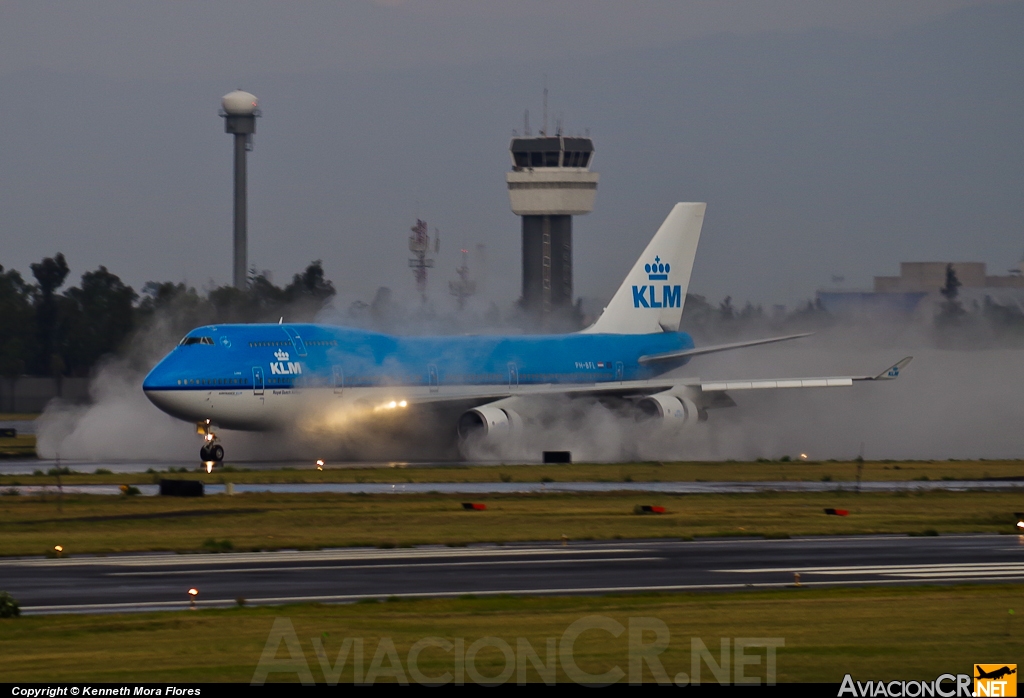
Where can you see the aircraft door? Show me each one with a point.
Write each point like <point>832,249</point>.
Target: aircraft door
<point>432,377</point>
<point>620,371</point>
<point>257,380</point>
<point>300,346</point>
<point>339,380</point>
<point>513,376</point>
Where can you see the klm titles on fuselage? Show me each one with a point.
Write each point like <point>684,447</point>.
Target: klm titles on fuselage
<point>284,367</point>
<point>646,296</point>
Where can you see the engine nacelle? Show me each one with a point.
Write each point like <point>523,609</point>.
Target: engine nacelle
<point>670,409</point>
<point>489,422</point>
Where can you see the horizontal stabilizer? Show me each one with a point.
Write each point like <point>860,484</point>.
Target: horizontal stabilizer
<point>685,353</point>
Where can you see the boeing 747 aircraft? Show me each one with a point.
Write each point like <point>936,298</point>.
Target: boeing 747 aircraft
<point>263,377</point>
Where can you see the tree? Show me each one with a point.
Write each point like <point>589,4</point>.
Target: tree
<point>310,284</point>
<point>726,310</point>
<point>9,608</point>
<point>104,315</point>
<point>17,339</point>
<point>951,289</point>
<point>951,309</point>
<point>50,273</point>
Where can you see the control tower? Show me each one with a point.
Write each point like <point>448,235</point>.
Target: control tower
<point>550,182</point>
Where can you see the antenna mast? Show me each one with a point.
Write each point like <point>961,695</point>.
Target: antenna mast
<point>463,287</point>
<point>545,131</point>
<point>419,245</point>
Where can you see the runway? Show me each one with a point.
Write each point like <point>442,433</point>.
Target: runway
<point>540,487</point>
<point>148,582</point>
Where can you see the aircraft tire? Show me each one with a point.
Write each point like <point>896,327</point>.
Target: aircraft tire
<point>217,453</point>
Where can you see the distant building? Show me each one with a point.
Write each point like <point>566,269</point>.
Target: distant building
<point>929,277</point>
<point>918,281</point>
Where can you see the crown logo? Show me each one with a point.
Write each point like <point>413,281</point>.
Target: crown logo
<point>657,271</point>
<point>281,355</point>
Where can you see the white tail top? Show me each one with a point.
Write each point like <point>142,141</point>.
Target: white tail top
<point>651,298</point>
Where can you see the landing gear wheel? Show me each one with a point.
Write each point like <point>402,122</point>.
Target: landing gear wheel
<point>214,452</point>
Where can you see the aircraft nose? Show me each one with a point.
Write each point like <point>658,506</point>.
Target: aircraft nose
<point>160,376</point>
<point>152,381</point>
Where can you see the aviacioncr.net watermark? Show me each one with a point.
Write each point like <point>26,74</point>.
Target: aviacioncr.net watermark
<point>641,641</point>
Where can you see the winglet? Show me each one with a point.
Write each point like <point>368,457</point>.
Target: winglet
<point>893,372</point>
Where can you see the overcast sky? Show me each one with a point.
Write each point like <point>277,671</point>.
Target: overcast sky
<point>828,138</point>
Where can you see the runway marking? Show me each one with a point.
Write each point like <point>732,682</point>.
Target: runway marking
<point>144,559</point>
<point>965,570</point>
<point>301,556</point>
<point>415,565</point>
<point>349,598</point>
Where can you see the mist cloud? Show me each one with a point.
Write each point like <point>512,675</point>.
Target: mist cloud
<point>948,403</point>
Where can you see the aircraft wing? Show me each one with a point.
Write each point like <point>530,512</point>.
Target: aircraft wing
<point>714,390</point>
<point>888,374</point>
<point>714,348</point>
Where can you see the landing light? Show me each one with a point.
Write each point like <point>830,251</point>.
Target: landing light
<point>403,403</point>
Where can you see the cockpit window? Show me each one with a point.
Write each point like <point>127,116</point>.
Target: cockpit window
<point>196,340</point>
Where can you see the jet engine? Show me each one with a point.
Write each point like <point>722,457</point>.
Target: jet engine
<point>491,423</point>
<point>668,408</point>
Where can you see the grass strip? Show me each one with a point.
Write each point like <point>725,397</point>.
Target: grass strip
<point>265,521</point>
<point>871,633</point>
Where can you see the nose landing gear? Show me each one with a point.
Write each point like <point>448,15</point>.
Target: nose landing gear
<point>212,452</point>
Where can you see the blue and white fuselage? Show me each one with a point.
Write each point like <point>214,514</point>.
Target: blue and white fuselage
<point>251,376</point>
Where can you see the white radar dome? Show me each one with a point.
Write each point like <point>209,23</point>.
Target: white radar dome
<point>239,102</point>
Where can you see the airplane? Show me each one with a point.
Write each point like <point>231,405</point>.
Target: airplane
<point>267,377</point>
<point>995,673</point>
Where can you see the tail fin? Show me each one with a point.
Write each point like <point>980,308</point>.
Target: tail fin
<point>651,298</point>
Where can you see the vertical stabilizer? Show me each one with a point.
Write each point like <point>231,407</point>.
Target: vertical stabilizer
<point>651,298</point>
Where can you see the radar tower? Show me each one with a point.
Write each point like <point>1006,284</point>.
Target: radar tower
<point>240,111</point>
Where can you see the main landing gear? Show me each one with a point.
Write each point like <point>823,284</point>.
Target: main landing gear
<point>212,452</point>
